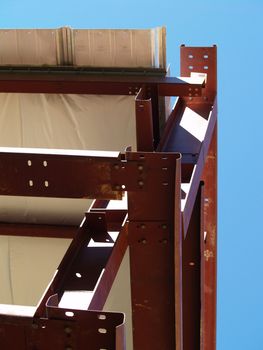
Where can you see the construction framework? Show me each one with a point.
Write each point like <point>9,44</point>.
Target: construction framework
<point>170,226</point>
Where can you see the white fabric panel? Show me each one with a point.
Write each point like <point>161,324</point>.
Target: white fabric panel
<point>62,121</point>
<point>119,298</point>
<point>6,290</point>
<point>27,265</point>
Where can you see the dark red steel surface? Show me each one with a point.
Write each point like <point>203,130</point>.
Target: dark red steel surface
<point>51,175</point>
<point>192,278</point>
<point>178,263</point>
<point>96,222</point>
<point>210,248</point>
<point>104,286</point>
<point>201,60</point>
<point>151,242</point>
<point>197,170</point>
<point>93,84</point>
<point>144,122</point>
<point>35,230</point>
<point>61,329</point>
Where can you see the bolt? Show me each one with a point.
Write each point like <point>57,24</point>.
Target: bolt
<point>141,183</point>
<point>143,226</point>
<point>34,326</point>
<point>140,167</point>
<point>116,166</point>
<point>67,330</point>
<point>117,187</point>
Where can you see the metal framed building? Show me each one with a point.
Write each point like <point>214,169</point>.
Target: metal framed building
<point>169,224</point>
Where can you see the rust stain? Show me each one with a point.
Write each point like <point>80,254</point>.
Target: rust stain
<point>143,306</point>
<point>208,254</point>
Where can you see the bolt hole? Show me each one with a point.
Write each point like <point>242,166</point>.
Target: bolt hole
<point>191,263</point>
<point>29,163</point>
<point>45,163</point>
<point>46,183</point>
<point>141,156</point>
<point>78,275</point>
<point>205,56</point>
<point>205,67</point>
<point>165,183</point>
<point>102,317</point>
<point>102,330</point>
<point>69,313</point>
<point>191,67</point>
<point>31,183</point>
<point>190,56</point>
<point>123,187</point>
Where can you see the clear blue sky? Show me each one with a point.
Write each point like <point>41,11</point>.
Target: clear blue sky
<point>237,28</point>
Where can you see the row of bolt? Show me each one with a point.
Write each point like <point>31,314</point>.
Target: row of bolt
<point>140,182</point>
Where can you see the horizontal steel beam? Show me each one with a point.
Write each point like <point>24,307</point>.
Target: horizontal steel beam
<point>62,329</point>
<point>76,83</point>
<point>35,230</point>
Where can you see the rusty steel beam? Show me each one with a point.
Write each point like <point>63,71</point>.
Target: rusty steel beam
<point>62,329</point>
<point>178,261</point>
<point>37,230</point>
<point>102,291</point>
<point>199,166</point>
<point>192,277</point>
<point>114,220</point>
<point>209,177</point>
<point>75,83</point>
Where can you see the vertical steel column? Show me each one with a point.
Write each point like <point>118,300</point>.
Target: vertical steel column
<point>210,246</point>
<point>203,60</point>
<point>192,278</point>
<point>144,122</point>
<point>151,237</point>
